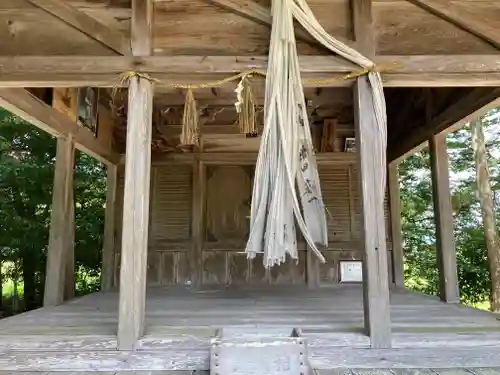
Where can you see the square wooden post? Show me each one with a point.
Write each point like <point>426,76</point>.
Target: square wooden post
<point>198,222</point>
<point>375,269</point>
<point>312,271</point>
<point>108,249</point>
<point>133,263</point>
<point>61,223</point>
<point>69,281</point>
<point>135,213</point>
<point>443,216</point>
<point>395,219</point>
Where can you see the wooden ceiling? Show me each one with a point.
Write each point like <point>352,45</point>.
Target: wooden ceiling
<point>241,28</point>
<point>198,27</point>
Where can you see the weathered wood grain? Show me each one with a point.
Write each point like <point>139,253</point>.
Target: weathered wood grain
<point>172,192</point>
<point>198,222</point>
<point>108,247</point>
<point>29,30</point>
<point>244,158</point>
<point>194,27</point>
<point>61,240</point>
<point>461,18</point>
<point>135,213</point>
<point>476,103</point>
<point>258,13</point>
<point>409,358</point>
<point>33,110</point>
<point>133,270</point>
<point>142,27</point>
<point>57,343</point>
<point>320,358</point>
<point>328,316</point>
<point>313,270</point>
<point>375,274</point>
<point>104,361</point>
<point>69,278</point>
<point>65,100</point>
<point>443,216</point>
<point>395,225</point>
<point>414,71</point>
<point>113,39</point>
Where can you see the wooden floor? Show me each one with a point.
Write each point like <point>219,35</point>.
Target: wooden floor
<point>180,322</point>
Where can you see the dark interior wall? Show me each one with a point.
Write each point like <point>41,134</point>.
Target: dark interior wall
<point>227,206</point>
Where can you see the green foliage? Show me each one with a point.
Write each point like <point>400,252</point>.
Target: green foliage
<point>26,175</point>
<point>417,221</point>
<point>418,218</point>
<point>27,158</point>
<point>90,198</point>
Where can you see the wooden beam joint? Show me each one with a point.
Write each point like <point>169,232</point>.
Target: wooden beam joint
<point>81,21</point>
<point>30,108</point>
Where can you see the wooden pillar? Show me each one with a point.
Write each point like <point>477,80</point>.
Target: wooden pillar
<point>69,281</point>
<point>108,249</point>
<point>375,270</point>
<point>198,222</point>
<point>118,224</point>
<point>486,200</point>
<point>135,213</point>
<point>312,263</point>
<point>443,216</point>
<point>395,218</point>
<point>61,223</point>
<point>133,264</point>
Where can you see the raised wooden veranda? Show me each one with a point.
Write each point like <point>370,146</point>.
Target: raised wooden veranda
<point>81,335</point>
<point>164,234</point>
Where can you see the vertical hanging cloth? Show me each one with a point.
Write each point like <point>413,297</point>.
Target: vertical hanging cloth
<point>286,187</point>
<point>286,169</point>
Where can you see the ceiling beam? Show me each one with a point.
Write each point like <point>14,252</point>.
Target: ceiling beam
<point>462,19</point>
<point>104,71</point>
<point>248,9</point>
<point>113,39</point>
<point>23,104</point>
<point>255,12</point>
<point>479,99</point>
<point>322,158</point>
<point>142,27</point>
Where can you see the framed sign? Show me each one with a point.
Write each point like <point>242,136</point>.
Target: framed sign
<point>351,271</point>
<point>87,108</point>
<point>350,144</point>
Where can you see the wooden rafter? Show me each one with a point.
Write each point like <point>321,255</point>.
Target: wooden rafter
<point>77,71</point>
<point>33,110</point>
<point>111,38</point>
<point>461,18</point>
<point>253,11</point>
<point>477,99</point>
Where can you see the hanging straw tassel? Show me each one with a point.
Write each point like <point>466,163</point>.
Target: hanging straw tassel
<point>245,106</point>
<point>190,129</point>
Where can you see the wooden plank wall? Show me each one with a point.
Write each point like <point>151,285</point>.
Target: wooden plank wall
<point>227,207</point>
<point>170,224</point>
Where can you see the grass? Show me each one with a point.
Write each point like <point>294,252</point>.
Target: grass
<point>485,305</point>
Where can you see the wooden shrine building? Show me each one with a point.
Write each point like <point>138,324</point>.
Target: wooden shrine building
<point>102,76</point>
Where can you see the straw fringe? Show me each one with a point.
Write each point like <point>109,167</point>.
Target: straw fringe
<point>190,122</point>
<point>245,107</point>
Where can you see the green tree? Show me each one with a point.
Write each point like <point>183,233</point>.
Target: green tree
<point>418,218</point>
<point>26,170</point>
<point>26,177</point>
